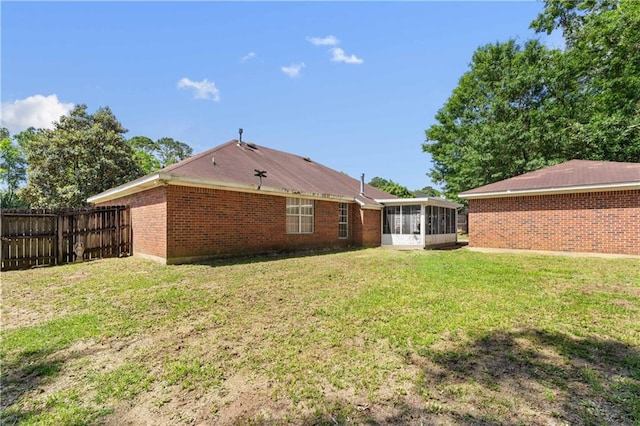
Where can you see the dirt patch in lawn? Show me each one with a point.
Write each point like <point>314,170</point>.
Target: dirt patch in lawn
<point>443,337</point>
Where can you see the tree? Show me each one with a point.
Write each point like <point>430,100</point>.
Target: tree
<point>521,108</point>
<point>171,151</point>
<point>83,155</point>
<point>497,122</point>
<point>152,156</point>
<point>12,170</point>
<point>603,56</point>
<point>391,187</point>
<point>427,191</point>
<point>143,154</point>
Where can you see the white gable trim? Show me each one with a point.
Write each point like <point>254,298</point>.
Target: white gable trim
<point>548,191</point>
<point>426,201</point>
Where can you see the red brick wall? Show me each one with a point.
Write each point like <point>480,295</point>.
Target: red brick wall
<point>211,222</point>
<point>148,220</point>
<point>601,222</point>
<point>367,229</point>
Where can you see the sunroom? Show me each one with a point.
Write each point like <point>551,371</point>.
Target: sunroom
<point>419,222</point>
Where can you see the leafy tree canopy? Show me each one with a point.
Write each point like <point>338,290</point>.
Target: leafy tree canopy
<point>152,156</point>
<point>391,187</point>
<point>83,155</point>
<point>427,191</point>
<point>523,107</point>
<point>13,166</point>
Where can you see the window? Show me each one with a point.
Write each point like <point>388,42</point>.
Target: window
<point>299,216</point>
<point>343,221</point>
<point>401,220</point>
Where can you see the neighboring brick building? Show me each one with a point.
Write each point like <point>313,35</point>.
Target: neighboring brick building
<point>217,204</point>
<point>578,206</point>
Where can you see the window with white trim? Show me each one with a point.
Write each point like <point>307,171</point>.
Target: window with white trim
<point>343,220</point>
<point>299,216</point>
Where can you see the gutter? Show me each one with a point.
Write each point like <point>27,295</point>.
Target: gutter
<point>164,179</point>
<point>549,191</point>
<point>427,201</point>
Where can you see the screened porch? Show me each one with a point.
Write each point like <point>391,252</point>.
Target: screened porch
<point>419,222</point>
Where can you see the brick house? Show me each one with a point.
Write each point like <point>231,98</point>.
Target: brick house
<point>578,206</point>
<point>241,198</point>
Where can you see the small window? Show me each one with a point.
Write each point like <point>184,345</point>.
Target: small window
<point>343,220</point>
<point>299,216</point>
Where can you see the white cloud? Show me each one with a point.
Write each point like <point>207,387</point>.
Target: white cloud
<point>204,89</point>
<point>35,111</point>
<point>293,70</point>
<point>340,56</point>
<point>325,41</point>
<point>248,56</point>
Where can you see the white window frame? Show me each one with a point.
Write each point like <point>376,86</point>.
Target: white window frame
<point>299,209</point>
<point>343,221</point>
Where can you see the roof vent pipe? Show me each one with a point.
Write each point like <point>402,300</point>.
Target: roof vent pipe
<point>362,184</point>
<point>240,137</point>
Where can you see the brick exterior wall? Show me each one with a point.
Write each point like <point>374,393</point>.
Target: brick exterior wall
<point>177,223</point>
<point>148,221</point>
<point>367,226</point>
<point>599,222</point>
<point>211,222</point>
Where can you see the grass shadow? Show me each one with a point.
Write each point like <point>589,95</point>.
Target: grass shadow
<point>26,372</point>
<point>32,370</point>
<point>574,380</point>
<point>249,258</point>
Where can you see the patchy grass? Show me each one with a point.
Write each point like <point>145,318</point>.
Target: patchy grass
<point>369,336</point>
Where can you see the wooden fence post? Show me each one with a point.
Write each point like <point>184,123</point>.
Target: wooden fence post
<point>60,239</point>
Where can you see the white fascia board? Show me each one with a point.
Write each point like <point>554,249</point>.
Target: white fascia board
<point>549,191</point>
<point>163,179</point>
<point>365,206</point>
<point>425,201</point>
<point>138,185</point>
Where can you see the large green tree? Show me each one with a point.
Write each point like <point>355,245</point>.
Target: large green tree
<point>521,108</point>
<point>83,155</point>
<point>13,166</point>
<point>497,124</point>
<point>152,156</point>
<point>144,154</point>
<point>603,56</point>
<point>391,187</point>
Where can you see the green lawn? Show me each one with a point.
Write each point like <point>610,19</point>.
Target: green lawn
<point>365,337</point>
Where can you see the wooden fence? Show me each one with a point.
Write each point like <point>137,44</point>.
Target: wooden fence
<point>463,224</point>
<point>53,237</point>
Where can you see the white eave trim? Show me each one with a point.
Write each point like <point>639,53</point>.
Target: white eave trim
<point>548,191</point>
<point>426,201</point>
<point>138,185</point>
<point>164,179</point>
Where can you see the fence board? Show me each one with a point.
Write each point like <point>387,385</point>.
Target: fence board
<point>49,237</point>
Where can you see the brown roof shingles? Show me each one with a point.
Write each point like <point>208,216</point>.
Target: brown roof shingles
<point>574,173</point>
<point>237,163</point>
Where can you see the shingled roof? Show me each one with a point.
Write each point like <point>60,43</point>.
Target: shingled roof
<point>572,176</point>
<point>234,165</point>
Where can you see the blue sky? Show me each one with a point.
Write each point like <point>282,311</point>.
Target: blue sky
<point>353,85</point>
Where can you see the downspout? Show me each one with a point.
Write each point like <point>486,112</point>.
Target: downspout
<point>423,225</point>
